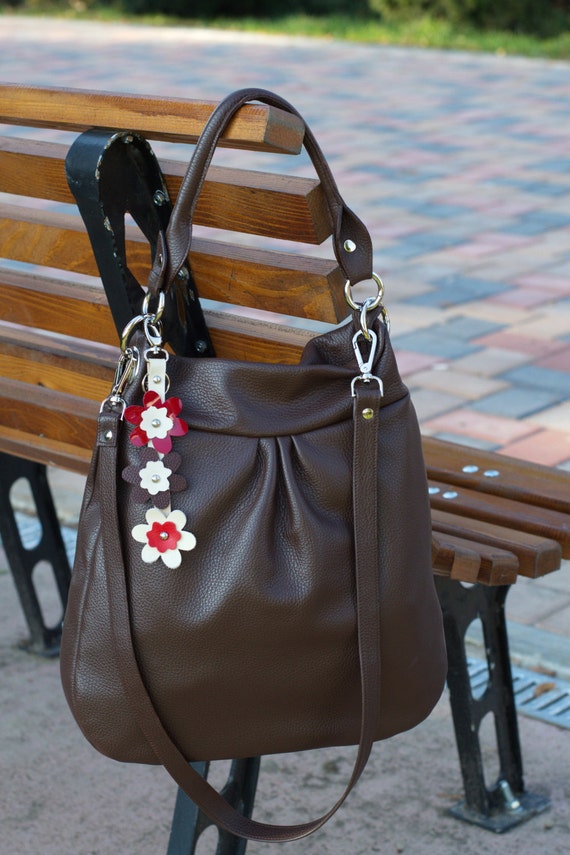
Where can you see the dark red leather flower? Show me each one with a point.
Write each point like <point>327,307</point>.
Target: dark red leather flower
<point>156,422</point>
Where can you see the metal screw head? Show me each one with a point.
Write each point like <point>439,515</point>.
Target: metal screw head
<point>201,346</point>
<point>367,413</point>
<point>159,198</point>
<point>183,273</point>
<point>349,246</point>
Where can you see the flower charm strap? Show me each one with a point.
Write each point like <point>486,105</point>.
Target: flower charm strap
<point>156,422</point>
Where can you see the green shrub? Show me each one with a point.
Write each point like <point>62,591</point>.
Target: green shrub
<point>246,8</point>
<point>539,17</point>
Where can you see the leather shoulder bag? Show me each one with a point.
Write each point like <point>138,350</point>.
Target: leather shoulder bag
<point>253,570</point>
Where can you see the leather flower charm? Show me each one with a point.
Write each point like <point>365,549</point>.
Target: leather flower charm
<point>155,478</point>
<point>156,422</point>
<point>163,537</point>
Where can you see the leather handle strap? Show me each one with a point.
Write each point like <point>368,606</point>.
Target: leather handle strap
<point>345,225</point>
<point>367,609</point>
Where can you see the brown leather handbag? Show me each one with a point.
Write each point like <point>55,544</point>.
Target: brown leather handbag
<point>253,569</point>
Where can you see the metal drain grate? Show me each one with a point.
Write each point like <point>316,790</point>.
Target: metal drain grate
<point>536,695</point>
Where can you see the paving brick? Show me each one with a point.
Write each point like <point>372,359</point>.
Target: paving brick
<point>431,343</point>
<point>468,386</point>
<point>508,340</point>
<point>547,447</point>
<point>555,418</point>
<point>547,379</point>
<point>516,402</point>
<point>430,403</point>
<point>559,361</point>
<point>468,422</point>
<point>409,362</point>
<point>490,361</point>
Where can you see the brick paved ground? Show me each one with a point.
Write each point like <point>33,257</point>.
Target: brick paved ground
<point>459,165</point>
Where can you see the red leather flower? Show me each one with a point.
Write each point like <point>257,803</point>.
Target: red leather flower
<point>156,422</point>
<point>163,536</point>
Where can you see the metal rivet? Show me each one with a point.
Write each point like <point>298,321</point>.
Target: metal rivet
<point>160,259</point>
<point>201,346</point>
<point>470,469</point>
<point>157,378</point>
<point>183,273</point>
<point>155,479</point>
<point>156,423</point>
<point>433,491</point>
<point>109,435</point>
<point>450,494</point>
<point>159,198</point>
<point>367,413</point>
<point>164,535</point>
<point>128,138</point>
<point>349,246</point>
<point>491,473</point>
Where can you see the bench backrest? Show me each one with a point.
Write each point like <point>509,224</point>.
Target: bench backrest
<point>57,337</point>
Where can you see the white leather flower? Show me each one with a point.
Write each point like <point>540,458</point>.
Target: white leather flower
<point>163,537</point>
<point>156,422</point>
<point>155,477</point>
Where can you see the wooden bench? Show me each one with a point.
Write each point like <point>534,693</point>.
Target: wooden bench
<point>494,518</point>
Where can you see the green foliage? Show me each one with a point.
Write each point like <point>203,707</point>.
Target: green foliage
<point>541,18</point>
<point>538,17</point>
<point>193,9</point>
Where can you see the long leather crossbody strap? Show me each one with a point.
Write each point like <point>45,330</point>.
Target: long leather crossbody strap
<point>365,508</point>
<point>354,257</point>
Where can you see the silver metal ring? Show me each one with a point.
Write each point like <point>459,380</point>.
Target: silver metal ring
<point>375,301</point>
<point>154,318</point>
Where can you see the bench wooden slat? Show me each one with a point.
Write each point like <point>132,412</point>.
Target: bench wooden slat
<point>50,415</point>
<point>71,308</point>
<point>506,512</point>
<point>79,309</point>
<point>472,561</point>
<point>50,452</point>
<point>264,279</point>
<point>278,206</point>
<point>254,127</point>
<point>536,555</point>
<point>59,363</point>
<point>517,479</point>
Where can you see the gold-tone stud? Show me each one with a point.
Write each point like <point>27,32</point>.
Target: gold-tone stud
<point>368,413</point>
